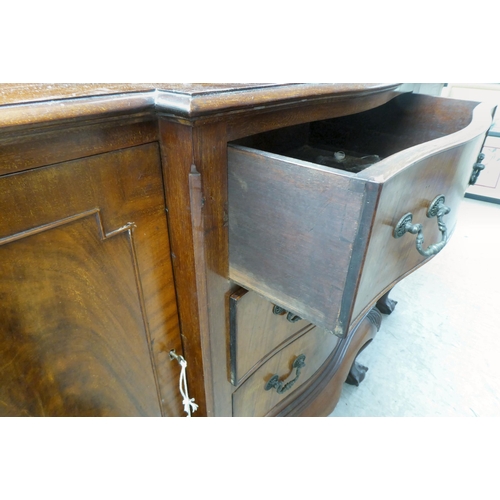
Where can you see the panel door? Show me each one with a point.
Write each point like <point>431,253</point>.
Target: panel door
<point>87,301</point>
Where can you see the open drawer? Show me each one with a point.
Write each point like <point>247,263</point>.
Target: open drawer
<point>313,209</point>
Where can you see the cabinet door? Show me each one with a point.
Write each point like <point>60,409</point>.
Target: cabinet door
<point>87,301</point>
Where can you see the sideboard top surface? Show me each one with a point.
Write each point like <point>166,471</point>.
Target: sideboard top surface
<point>29,103</point>
<point>16,93</point>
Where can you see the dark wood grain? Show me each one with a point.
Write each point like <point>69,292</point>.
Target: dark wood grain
<point>319,396</point>
<point>88,300</point>
<point>412,190</point>
<point>385,304</point>
<point>403,122</point>
<point>73,336</point>
<point>292,231</point>
<point>177,160</point>
<point>212,102</point>
<point>263,119</point>
<point>210,157</point>
<point>89,305</point>
<point>252,400</point>
<point>22,152</point>
<point>52,102</point>
<point>256,332</point>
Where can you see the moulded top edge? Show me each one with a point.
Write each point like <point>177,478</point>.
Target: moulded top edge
<point>24,104</point>
<point>198,104</point>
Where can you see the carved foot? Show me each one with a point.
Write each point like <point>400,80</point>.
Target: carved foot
<point>358,371</point>
<point>386,305</point>
<point>357,374</point>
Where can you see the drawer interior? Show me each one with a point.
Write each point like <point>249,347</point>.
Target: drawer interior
<point>355,142</point>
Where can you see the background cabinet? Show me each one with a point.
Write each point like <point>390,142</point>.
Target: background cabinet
<point>487,187</point>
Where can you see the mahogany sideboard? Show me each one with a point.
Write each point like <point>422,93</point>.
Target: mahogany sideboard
<point>255,230</point>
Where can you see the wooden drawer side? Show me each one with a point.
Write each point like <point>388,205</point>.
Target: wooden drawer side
<point>292,229</point>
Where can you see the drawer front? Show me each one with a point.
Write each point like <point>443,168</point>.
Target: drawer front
<point>253,400</point>
<point>411,191</point>
<point>257,327</point>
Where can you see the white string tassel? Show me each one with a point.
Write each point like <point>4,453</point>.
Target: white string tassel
<point>189,404</point>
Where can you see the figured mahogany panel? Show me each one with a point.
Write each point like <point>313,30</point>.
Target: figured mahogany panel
<point>74,339</point>
<point>87,289</point>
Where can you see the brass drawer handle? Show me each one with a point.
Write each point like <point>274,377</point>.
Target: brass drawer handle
<point>476,169</point>
<point>436,209</point>
<point>290,316</point>
<point>293,318</point>
<point>280,385</point>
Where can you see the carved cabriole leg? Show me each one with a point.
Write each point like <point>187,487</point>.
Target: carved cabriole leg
<point>356,374</point>
<point>386,305</point>
<point>358,371</point>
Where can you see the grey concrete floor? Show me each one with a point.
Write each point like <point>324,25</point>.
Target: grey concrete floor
<point>438,353</point>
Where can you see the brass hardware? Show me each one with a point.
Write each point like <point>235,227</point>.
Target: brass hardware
<point>173,355</point>
<point>281,386</point>
<point>476,169</point>
<point>293,318</point>
<point>436,209</point>
<point>279,311</point>
<point>290,316</point>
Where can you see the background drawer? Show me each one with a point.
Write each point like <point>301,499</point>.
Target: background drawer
<point>255,331</point>
<point>253,400</point>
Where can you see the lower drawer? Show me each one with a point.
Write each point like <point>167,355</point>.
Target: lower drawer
<point>257,328</point>
<point>283,373</point>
